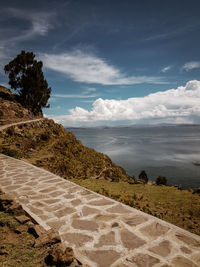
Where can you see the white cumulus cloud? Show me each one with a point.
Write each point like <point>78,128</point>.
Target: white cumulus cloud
<point>191,65</point>
<point>88,68</point>
<point>179,104</point>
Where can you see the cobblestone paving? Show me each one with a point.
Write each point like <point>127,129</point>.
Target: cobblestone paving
<point>102,231</point>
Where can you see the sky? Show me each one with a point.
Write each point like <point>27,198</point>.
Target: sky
<point>110,62</point>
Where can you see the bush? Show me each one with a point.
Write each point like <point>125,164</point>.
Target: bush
<point>10,131</point>
<point>11,153</point>
<point>45,137</point>
<point>143,176</point>
<point>161,180</point>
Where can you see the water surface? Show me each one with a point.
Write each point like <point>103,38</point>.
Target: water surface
<point>159,150</point>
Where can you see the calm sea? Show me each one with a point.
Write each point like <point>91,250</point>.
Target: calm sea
<point>170,151</point>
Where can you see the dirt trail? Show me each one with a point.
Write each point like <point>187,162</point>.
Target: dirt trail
<point>3,127</point>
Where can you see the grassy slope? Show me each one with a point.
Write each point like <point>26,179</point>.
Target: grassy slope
<point>16,249</point>
<point>48,145</point>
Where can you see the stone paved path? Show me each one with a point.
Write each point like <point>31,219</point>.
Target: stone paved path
<point>102,231</point>
<point>2,127</point>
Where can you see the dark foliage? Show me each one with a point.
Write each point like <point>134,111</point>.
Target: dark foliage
<point>26,76</point>
<point>10,152</point>
<point>161,180</point>
<point>143,176</point>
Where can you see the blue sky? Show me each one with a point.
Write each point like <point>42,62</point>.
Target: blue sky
<point>110,62</point>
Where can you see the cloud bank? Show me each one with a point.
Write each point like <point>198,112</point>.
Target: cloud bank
<point>175,105</point>
<point>88,68</point>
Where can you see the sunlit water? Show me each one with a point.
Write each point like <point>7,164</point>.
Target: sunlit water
<point>170,151</point>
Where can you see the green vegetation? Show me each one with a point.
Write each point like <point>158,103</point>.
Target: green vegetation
<point>143,177</point>
<point>16,244</point>
<point>161,180</point>
<point>10,152</point>
<point>26,76</point>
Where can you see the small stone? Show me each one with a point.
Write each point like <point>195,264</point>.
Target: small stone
<point>77,239</point>
<point>188,240</point>
<point>51,201</point>
<point>50,237</point>
<point>64,212</point>
<point>48,190</point>
<point>101,202</point>
<point>36,230</point>
<point>135,220</point>
<point>34,210</point>
<point>85,225</point>
<point>6,200</point>
<point>57,193</point>
<point>60,255</point>
<point>130,240</point>
<point>87,211</point>
<point>56,224</point>
<point>30,224</point>
<point>180,261</point>
<point>118,209</point>
<point>68,196</point>
<point>105,217</point>
<point>76,202</point>
<point>106,240</point>
<point>163,248</point>
<point>21,229</point>
<point>154,230</point>
<point>121,265</point>
<point>16,209</point>
<point>144,260</point>
<point>186,250</point>
<point>103,258</point>
<point>115,224</point>
<point>12,187</point>
<point>22,219</point>
<point>85,192</point>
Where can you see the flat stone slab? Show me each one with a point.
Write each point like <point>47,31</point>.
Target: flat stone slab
<point>101,231</point>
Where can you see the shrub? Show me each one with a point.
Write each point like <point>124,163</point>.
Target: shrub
<point>11,152</point>
<point>45,137</point>
<point>161,180</point>
<point>10,131</point>
<point>143,176</point>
